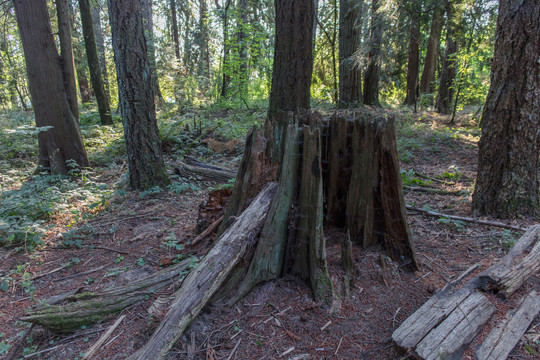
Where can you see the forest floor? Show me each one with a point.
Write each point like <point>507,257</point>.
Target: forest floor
<point>133,234</point>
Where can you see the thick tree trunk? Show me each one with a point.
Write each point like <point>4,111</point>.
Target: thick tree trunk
<point>243,48</point>
<point>62,142</point>
<point>293,56</point>
<point>413,60</point>
<point>371,76</point>
<point>148,21</point>
<point>432,53</point>
<point>508,182</point>
<point>100,44</point>
<point>93,63</point>
<point>143,144</point>
<point>203,40</point>
<point>350,27</point>
<point>226,61</point>
<point>66,52</point>
<point>443,104</point>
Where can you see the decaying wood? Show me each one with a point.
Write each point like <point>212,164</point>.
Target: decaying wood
<point>87,308</point>
<point>375,203</point>
<point>466,219</point>
<point>444,326</point>
<point>207,231</point>
<point>507,275</point>
<point>504,337</point>
<point>203,282</point>
<point>311,244</point>
<point>90,353</point>
<point>450,338</point>
<point>249,179</point>
<point>203,171</point>
<point>267,261</point>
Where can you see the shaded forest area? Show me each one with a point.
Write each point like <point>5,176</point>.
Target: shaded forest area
<point>269,179</point>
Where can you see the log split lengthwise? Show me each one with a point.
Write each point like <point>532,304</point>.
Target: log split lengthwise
<point>448,322</point>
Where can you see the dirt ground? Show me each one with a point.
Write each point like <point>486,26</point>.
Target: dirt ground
<point>278,319</point>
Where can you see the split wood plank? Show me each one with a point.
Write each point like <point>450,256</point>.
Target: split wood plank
<point>203,282</point>
<point>433,312</point>
<point>504,337</point>
<point>102,339</point>
<point>454,334</point>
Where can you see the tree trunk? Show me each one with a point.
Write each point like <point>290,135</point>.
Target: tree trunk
<point>508,182</point>
<point>93,63</point>
<point>413,60</point>
<point>203,41</point>
<point>226,61</point>
<point>66,52</point>
<point>61,143</point>
<point>243,48</point>
<point>371,78</point>
<point>293,56</point>
<point>174,17</point>
<point>143,144</point>
<point>443,104</point>
<point>432,53</point>
<point>100,44</point>
<point>350,27</point>
<point>148,22</point>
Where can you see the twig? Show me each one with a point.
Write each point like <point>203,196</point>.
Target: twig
<point>103,338</point>
<point>208,231</point>
<point>455,282</point>
<point>467,219</point>
<point>434,191</point>
<point>289,350</point>
<point>326,325</point>
<point>234,349</point>
<point>50,272</point>
<point>340,340</point>
<point>41,351</point>
<point>17,347</point>
<point>110,249</point>
<point>80,274</point>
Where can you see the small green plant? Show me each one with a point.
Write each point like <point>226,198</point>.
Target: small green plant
<point>408,178</point>
<point>4,348</point>
<point>119,258</point>
<point>140,262</point>
<point>155,190</point>
<point>182,187</point>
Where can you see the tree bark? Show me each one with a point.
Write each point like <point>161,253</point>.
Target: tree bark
<point>443,104</point>
<point>226,79</point>
<point>148,22</point>
<point>93,63</point>
<point>508,182</point>
<point>61,143</point>
<point>432,53</point>
<point>243,48</point>
<point>350,27</point>
<point>143,144</point>
<point>413,59</point>
<point>176,40</point>
<point>293,56</point>
<point>66,52</point>
<point>371,77</point>
<point>100,44</point>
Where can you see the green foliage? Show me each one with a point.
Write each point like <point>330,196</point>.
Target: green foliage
<point>408,178</point>
<point>4,348</point>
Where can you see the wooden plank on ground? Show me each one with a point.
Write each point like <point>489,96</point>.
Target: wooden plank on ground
<point>432,313</point>
<point>504,337</point>
<point>450,338</point>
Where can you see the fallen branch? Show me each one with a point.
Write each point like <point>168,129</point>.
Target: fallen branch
<point>103,338</point>
<point>90,307</point>
<point>434,191</point>
<point>466,219</point>
<point>208,231</point>
<point>203,282</point>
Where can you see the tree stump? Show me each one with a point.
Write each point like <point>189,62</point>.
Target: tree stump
<point>349,160</point>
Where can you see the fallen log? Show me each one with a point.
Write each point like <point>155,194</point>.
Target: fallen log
<point>88,308</point>
<point>194,168</point>
<point>203,282</point>
<point>446,324</point>
<point>504,337</point>
<point>514,269</point>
